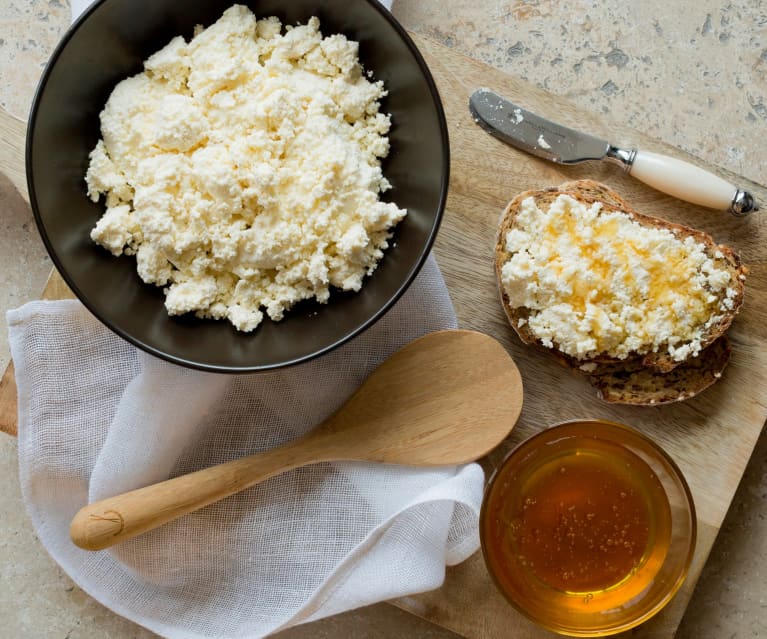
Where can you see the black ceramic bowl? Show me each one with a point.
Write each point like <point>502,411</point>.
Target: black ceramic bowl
<point>109,43</point>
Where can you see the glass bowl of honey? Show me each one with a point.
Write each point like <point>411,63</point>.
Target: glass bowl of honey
<point>588,528</point>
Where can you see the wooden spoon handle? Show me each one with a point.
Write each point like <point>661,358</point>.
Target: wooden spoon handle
<point>112,520</point>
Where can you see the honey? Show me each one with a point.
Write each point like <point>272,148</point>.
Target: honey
<point>583,521</point>
<point>577,525</point>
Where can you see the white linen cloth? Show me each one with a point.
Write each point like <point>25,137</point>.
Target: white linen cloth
<point>98,417</point>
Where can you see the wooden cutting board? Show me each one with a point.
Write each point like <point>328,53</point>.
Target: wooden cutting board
<point>711,436</point>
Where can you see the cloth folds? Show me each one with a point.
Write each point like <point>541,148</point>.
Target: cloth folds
<point>98,417</point>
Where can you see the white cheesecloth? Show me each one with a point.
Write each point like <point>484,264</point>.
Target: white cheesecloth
<point>98,417</point>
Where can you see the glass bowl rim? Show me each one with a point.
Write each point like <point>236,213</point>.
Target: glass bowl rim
<point>668,595</point>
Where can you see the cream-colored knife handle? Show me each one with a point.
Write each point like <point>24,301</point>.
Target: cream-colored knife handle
<point>690,183</point>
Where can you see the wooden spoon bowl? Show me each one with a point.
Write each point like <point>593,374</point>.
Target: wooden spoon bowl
<point>446,398</point>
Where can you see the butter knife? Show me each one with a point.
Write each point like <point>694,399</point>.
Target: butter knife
<point>551,141</point>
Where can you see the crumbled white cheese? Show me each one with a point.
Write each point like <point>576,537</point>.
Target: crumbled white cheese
<point>542,142</point>
<point>599,282</point>
<point>243,169</point>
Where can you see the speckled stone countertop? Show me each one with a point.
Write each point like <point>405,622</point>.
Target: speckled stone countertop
<point>693,74</point>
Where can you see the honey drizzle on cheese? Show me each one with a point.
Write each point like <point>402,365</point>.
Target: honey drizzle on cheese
<point>598,282</point>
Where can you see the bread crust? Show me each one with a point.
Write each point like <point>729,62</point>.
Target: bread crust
<point>641,379</point>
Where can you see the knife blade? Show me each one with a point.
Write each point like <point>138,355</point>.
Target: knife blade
<point>551,141</point>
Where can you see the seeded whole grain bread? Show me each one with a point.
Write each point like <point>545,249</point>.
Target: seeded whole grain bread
<point>652,378</point>
<point>647,386</point>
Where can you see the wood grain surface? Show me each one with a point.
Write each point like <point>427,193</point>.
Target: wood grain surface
<point>711,436</point>
<point>12,134</point>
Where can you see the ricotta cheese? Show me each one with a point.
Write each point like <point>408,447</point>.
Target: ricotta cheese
<point>242,169</point>
<point>598,282</point>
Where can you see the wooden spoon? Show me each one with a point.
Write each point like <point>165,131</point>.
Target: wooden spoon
<point>446,398</point>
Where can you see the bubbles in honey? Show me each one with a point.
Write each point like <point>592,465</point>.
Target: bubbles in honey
<point>583,519</point>
<point>576,528</point>
<point>583,526</point>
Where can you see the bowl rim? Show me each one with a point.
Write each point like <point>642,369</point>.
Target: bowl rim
<point>217,368</point>
<point>685,565</point>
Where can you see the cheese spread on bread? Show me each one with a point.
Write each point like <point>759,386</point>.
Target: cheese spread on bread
<point>242,169</point>
<point>597,282</point>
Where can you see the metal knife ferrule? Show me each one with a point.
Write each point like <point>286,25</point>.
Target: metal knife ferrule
<point>622,157</point>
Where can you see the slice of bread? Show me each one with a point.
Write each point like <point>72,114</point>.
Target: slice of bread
<point>650,387</point>
<point>640,378</point>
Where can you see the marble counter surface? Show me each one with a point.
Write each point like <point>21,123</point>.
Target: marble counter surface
<point>693,74</point>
